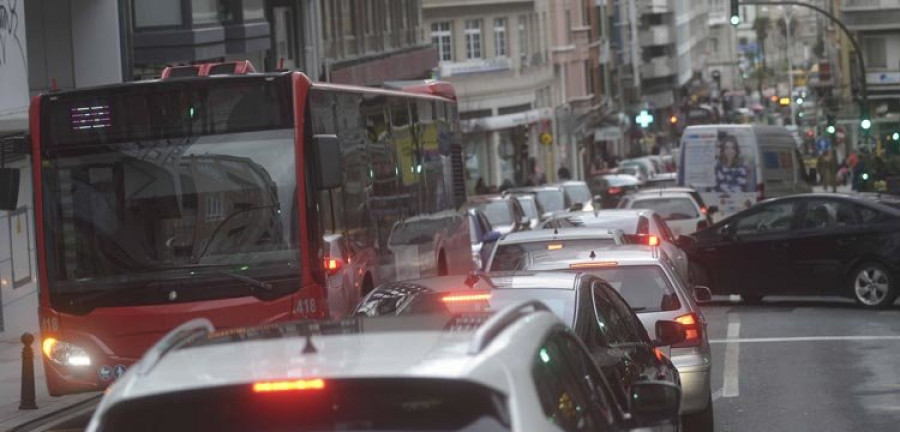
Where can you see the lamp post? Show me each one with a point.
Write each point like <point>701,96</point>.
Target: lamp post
<point>788,12</point>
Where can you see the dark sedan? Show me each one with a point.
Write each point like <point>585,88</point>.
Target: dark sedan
<point>811,244</point>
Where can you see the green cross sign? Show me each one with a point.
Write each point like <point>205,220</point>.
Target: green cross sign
<point>644,119</point>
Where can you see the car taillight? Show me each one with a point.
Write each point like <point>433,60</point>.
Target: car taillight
<point>703,210</point>
<point>598,264</point>
<point>614,190</point>
<point>333,265</point>
<point>461,298</point>
<point>652,240</point>
<point>760,191</point>
<point>702,225</point>
<point>295,385</point>
<point>693,330</point>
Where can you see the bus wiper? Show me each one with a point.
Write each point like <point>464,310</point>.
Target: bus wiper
<point>255,283</point>
<point>224,221</point>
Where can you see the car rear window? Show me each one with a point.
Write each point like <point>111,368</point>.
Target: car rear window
<point>497,212</point>
<point>560,301</point>
<point>627,224</point>
<point>517,256</point>
<point>669,208</point>
<point>529,207</point>
<point>551,200</point>
<point>578,193</point>
<point>646,288</point>
<point>340,405</point>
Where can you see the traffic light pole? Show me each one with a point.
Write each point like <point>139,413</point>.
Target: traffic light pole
<point>864,104</point>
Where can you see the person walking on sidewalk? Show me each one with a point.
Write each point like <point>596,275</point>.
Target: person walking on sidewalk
<point>828,167</point>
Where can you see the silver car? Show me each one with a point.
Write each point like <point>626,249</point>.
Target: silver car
<point>513,249</point>
<point>647,279</point>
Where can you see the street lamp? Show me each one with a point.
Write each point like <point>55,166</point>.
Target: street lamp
<point>787,23</point>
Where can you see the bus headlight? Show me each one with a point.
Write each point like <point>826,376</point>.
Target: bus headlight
<point>64,353</point>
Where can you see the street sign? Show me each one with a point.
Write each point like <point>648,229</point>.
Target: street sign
<point>822,144</point>
<point>546,138</point>
<point>644,119</point>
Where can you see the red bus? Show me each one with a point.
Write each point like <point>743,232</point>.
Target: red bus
<point>162,201</point>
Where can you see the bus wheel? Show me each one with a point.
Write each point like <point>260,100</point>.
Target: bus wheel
<point>442,265</point>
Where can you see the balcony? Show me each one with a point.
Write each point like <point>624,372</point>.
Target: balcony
<point>653,6</point>
<point>656,35</point>
<point>868,4</point>
<point>658,67</point>
<point>861,15</point>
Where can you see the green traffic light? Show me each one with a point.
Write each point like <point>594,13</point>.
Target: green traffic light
<point>865,176</point>
<point>799,101</point>
<point>865,124</point>
<point>830,129</point>
<point>896,136</point>
<point>735,20</point>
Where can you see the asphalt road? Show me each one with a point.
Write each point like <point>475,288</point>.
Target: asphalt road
<point>790,364</point>
<point>804,364</point>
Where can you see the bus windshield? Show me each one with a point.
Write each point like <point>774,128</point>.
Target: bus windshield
<point>138,185</point>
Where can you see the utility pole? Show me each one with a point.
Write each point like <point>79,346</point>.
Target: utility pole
<point>788,14</point>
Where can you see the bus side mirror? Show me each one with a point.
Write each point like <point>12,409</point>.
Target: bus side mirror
<point>9,188</point>
<point>331,161</point>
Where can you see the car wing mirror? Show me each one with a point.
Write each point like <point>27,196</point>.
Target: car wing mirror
<point>669,333</point>
<point>654,403</point>
<point>702,294</point>
<point>9,188</point>
<point>524,221</point>
<point>331,169</point>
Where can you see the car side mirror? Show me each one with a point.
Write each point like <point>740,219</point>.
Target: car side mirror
<point>490,237</point>
<point>577,207</point>
<point>685,242</point>
<point>655,403</point>
<point>331,161</point>
<point>702,294</point>
<point>669,333</point>
<point>711,210</point>
<point>9,188</point>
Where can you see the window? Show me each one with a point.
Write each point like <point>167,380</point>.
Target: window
<point>254,10</point>
<point>205,11</point>
<point>769,219</point>
<point>500,37</point>
<point>646,288</point>
<point>153,14</point>
<point>669,208</point>
<point>588,78</point>
<point>828,214</point>
<point>664,228</point>
<point>569,386</point>
<point>875,49</point>
<point>713,45</point>
<point>442,38</point>
<point>568,26</point>
<point>523,38</point>
<point>473,39</point>
<point>615,318</point>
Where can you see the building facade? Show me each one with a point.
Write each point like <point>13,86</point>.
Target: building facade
<point>497,55</point>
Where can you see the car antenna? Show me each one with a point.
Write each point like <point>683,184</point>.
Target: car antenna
<point>592,255</point>
<point>555,231</point>
<point>309,348</point>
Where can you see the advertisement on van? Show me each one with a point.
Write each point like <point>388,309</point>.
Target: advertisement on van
<point>721,165</point>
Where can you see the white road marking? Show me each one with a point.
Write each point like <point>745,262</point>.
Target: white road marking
<point>716,395</point>
<point>731,372</point>
<point>736,340</point>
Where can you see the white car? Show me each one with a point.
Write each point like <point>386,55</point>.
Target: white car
<point>639,225</point>
<point>520,369</point>
<point>349,272</point>
<point>518,246</point>
<point>678,206</point>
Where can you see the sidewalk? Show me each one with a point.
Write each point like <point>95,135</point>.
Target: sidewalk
<point>10,387</point>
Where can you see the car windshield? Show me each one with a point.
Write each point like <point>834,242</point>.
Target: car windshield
<point>646,288</point>
<point>669,208</point>
<point>179,176</point>
<point>517,256</point>
<point>497,212</point>
<point>374,404</point>
<point>579,193</point>
<point>628,224</point>
<point>560,301</point>
<point>551,200</point>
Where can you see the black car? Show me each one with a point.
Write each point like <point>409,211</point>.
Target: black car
<point>593,309</point>
<point>810,244</point>
<point>608,189</point>
<point>601,318</point>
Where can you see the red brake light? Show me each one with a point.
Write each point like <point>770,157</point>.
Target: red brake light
<point>598,264</point>
<point>693,330</point>
<point>615,190</point>
<point>276,386</point>
<point>454,298</point>
<point>653,240</point>
<point>332,265</point>
<point>703,210</point>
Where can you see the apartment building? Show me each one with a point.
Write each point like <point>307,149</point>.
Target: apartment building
<point>497,55</point>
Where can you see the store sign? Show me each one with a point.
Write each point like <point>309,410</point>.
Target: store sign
<point>13,58</point>
<point>474,66</point>
<point>883,77</point>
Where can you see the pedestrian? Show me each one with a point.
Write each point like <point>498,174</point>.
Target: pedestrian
<point>563,173</point>
<point>480,187</point>
<point>828,167</point>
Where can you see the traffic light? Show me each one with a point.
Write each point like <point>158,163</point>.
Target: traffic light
<point>673,119</point>
<point>865,123</point>
<point>895,136</point>
<point>785,101</point>
<point>830,128</point>
<point>735,13</point>
<point>799,100</point>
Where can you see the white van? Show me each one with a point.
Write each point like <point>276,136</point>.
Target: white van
<point>734,166</point>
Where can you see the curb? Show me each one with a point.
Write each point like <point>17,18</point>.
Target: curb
<point>57,416</point>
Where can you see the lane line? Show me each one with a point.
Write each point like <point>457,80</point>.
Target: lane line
<point>736,340</point>
<point>730,386</point>
<point>716,395</point>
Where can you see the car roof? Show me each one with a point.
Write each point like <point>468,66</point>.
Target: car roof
<point>532,189</point>
<point>572,183</point>
<point>421,346</point>
<point>840,196</point>
<point>535,280</point>
<point>623,255</point>
<point>477,199</point>
<point>561,234</point>
<point>640,196</point>
<point>674,189</point>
